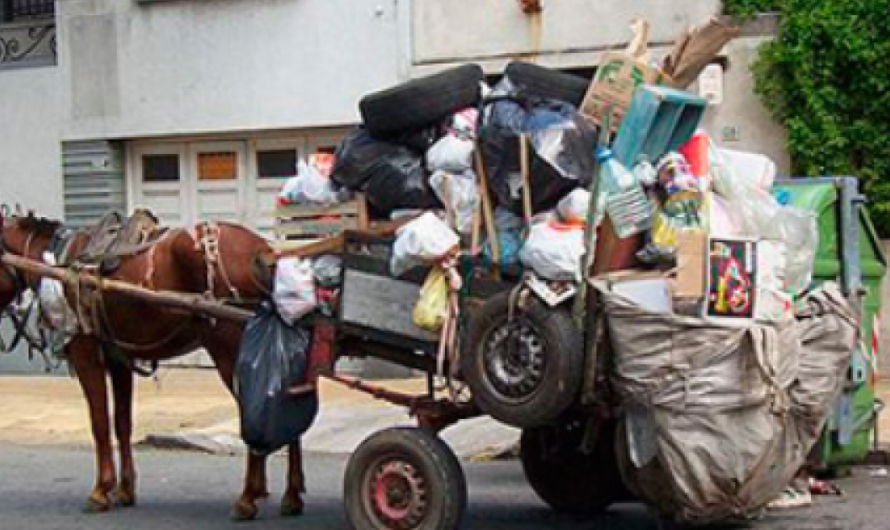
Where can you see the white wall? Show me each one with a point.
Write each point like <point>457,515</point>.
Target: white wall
<point>31,113</point>
<point>743,111</point>
<point>30,160</point>
<point>567,32</point>
<point>191,66</point>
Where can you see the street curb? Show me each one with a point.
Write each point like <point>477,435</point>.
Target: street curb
<point>476,440</point>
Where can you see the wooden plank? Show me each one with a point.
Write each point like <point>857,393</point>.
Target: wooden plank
<point>364,218</point>
<point>316,228</point>
<point>293,210</point>
<point>189,302</point>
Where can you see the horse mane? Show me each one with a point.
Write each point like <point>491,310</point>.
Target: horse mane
<point>39,226</point>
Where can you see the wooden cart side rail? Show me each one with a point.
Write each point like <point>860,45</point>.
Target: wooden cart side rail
<point>188,302</point>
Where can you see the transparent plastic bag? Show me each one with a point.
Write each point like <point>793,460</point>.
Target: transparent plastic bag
<point>509,231</point>
<point>761,216</point>
<point>431,309</point>
<point>450,153</point>
<point>561,143</point>
<point>309,186</point>
<point>460,193</point>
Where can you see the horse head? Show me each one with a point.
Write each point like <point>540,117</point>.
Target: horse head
<point>26,236</point>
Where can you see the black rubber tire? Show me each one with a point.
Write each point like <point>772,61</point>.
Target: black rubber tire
<point>421,102</point>
<point>557,386</point>
<point>428,456</point>
<point>535,81</point>
<point>566,479</point>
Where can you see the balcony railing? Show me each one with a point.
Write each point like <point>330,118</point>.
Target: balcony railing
<point>27,43</point>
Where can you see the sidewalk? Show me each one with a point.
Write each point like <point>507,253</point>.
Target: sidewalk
<point>190,409</point>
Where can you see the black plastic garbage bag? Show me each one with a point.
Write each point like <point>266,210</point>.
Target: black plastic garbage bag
<point>563,147</point>
<point>274,357</point>
<point>355,158</point>
<point>392,176</point>
<point>400,182</point>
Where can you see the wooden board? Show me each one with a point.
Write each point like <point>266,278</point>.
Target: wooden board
<point>298,225</point>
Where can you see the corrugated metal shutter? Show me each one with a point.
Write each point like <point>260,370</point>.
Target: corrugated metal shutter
<point>94,181</point>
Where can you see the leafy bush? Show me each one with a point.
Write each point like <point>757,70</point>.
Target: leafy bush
<point>749,8</point>
<point>826,78</point>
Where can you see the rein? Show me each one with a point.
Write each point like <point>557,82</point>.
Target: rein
<point>19,318</point>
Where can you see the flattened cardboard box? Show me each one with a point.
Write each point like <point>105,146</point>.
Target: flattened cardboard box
<point>691,254</point>
<point>616,79</point>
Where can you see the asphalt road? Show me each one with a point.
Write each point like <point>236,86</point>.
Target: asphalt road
<point>44,489</point>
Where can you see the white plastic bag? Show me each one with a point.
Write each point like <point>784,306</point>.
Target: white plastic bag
<point>461,194</point>
<point>309,186</point>
<point>751,168</point>
<point>574,206</point>
<point>760,216</point>
<point>554,251</point>
<point>54,306</point>
<point>294,293</point>
<point>450,153</point>
<point>424,239</point>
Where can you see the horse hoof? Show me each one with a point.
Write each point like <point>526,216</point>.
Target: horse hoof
<point>242,512</point>
<point>126,500</point>
<point>96,506</point>
<point>291,508</point>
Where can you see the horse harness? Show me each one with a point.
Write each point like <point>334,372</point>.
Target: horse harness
<point>104,246</point>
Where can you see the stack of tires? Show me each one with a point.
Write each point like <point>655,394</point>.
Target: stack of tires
<point>385,157</point>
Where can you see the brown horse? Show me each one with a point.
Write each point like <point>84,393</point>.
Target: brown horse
<point>213,259</point>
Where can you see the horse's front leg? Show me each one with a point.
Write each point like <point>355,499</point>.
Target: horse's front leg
<point>255,489</point>
<point>83,352</point>
<point>292,502</point>
<point>122,387</point>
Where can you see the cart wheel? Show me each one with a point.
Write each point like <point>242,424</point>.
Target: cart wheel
<point>404,479</point>
<point>527,371</point>
<point>568,480</point>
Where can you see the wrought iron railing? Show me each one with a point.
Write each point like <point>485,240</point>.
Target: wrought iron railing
<point>28,43</point>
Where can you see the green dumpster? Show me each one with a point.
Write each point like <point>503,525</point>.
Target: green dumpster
<point>849,253</point>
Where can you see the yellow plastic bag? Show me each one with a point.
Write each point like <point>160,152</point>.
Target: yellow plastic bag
<point>431,309</point>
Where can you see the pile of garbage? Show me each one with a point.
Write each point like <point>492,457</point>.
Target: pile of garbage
<point>725,360</point>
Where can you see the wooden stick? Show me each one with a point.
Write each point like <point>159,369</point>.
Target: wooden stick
<point>192,303</point>
<point>590,239</point>
<point>488,213</point>
<point>334,245</point>
<point>364,220</point>
<point>475,243</point>
<point>526,179</point>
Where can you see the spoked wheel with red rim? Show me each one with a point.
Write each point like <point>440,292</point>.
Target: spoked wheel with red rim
<point>404,479</point>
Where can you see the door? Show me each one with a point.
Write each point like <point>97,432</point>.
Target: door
<point>217,171</point>
<point>275,161</point>
<point>160,182</point>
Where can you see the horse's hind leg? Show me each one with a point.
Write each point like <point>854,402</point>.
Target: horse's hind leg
<point>292,502</point>
<point>84,355</point>
<point>122,386</point>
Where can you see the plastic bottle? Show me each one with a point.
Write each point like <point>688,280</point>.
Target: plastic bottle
<point>624,197</point>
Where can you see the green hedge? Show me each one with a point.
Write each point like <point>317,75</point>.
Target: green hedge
<point>826,78</point>
<point>749,8</point>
